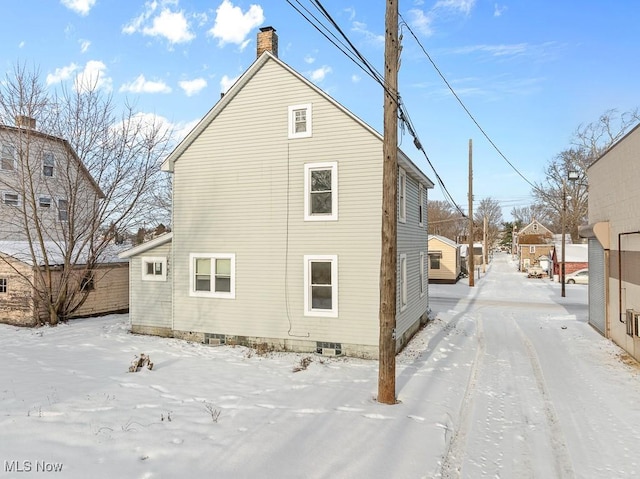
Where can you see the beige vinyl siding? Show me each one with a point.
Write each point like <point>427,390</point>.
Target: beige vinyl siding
<point>449,265</point>
<point>17,306</point>
<point>110,293</point>
<point>150,300</point>
<point>412,239</point>
<point>245,196</point>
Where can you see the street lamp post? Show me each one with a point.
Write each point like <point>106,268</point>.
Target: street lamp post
<point>571,176</point>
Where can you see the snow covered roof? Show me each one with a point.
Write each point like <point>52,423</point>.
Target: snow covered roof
<point>575,253</point>
<point>146,246</point>
<point>444,239</point>
<point>21,251</point>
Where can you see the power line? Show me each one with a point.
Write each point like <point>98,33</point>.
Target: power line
<point>484,133</point>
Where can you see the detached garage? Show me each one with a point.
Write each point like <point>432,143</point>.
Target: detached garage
<point>444,260</point>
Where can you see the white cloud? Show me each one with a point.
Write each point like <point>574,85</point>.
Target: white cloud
<point>371,37</point>
<point>82,7</point>
<point>319,74</point>
<point>61,74</point>
<point>93,77</point>
<point>494,50</point>
<point>355,78</point>
<point>462,6</point>
<point>233,26</point>
<point>142,85</point>
<point>84,45</point>
<point>173,26</point>
<point>21,44</point>
<point>498,10</point>
<point>192,87</point>
<point>309,59</point>
<point>226,83</point>
<point>421,22</point>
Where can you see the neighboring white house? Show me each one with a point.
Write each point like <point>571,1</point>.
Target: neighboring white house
<point>614,243</point>
<point>276,234</point>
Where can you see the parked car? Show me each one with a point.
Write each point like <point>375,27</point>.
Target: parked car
<point>535,272</point>
<point>577,277</point>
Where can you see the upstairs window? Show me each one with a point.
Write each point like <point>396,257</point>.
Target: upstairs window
<point>402,196</point>
<point>154,268</point>
<point>8,158</point>
<point>321,191</point>
<point>11,199</point>
<point>422,199</point>
<point>213,275</point>
<point>48,164</point>
<point>300,121</point>
<point>3,285</point>
<point>63,210</point>
<point>44,202</point>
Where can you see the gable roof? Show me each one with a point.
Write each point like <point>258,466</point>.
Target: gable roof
<point>533,231</point>
<point>146,246</point>
<point>21,251</point>
<point>167,165</point>
<point>444,240</point>
<point>66,145</point>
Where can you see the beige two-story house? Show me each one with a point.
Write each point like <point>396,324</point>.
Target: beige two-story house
<point>277,214</point>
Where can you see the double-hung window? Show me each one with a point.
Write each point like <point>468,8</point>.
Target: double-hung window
<point>10,198</point>
<point>213,275</point>
<point>403,282</point>
<point>321,191</point>
<point>423,287</point>
<point>422,198</point>
<point>321,285</point>
<point>434,259</point>
<point>154,268</point>
<point>63,210</point>
<point>402,196</point>
<point>48,164</point>
<point>300,121</point>
<point>44,202</point>
<point>3,285</point>
<point>8,158</point>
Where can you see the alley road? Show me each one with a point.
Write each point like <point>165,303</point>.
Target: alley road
<point>545,395</point>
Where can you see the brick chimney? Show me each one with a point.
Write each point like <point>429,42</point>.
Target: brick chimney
<point>24,121</point>
<point>268,41</point>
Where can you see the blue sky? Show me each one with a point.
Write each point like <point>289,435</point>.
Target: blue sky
<point>529,71</point>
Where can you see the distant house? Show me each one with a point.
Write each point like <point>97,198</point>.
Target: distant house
<point>277,214</point>
<point>533,242</point>
<point>614,243</point>
<point>576,257</point>
<point>20,304</point>
<point>444,260</point>
<point>36,171</point>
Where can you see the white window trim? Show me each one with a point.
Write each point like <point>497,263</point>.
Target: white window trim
<point>4,198</point>
<point>308,167</point>
<point>212,294</point>
<point>423,289</point>
<point>13,158</point>
<point>403,282</point>
<point>292,123</point>
<point>154,259</point>
<point>422,206</point>
<point>308,311</point>
<point>58,210</point>
<point>402,196</point>
<point>45,197</point>
<point>532,249</point>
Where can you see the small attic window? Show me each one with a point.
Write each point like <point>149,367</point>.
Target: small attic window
<point>535,226</point>
<point>300,121</point>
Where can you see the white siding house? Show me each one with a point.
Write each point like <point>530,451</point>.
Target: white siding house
<point>277,208</point>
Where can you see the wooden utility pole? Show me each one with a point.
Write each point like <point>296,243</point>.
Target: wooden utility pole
<point>388,260</point>
<point>470,258</point>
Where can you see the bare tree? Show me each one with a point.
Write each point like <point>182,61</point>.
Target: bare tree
<point>522,216</point>
<point>589,142</point>
<point>489,209</point>
<point>445,220</point>
<point>85,173</point>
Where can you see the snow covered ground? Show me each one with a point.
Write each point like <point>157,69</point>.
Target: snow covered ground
<point>508,381</point>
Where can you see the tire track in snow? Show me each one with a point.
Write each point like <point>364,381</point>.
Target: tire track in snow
<point>452,461</point>
<point>562,459</point>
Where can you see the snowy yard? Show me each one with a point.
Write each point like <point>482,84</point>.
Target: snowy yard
<point>508,381</point>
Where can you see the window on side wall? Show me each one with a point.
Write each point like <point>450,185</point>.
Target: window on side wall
<point>8,158</point>
<point>434,259</point>
<point>44,202</point>
<point>11,199</point>
<point>402,196</point>
<point>422,276</point>
<point>154,268</point>
<point>3,285</point>
<point>403,282</point>
<point>63,210</point>
<point>321,191</point>
<point>300,121</point>
<point>532,249</point>
<point>321,285</point>
<point>48,164</point>
<point>422,204</point>
<point>212,275</point>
